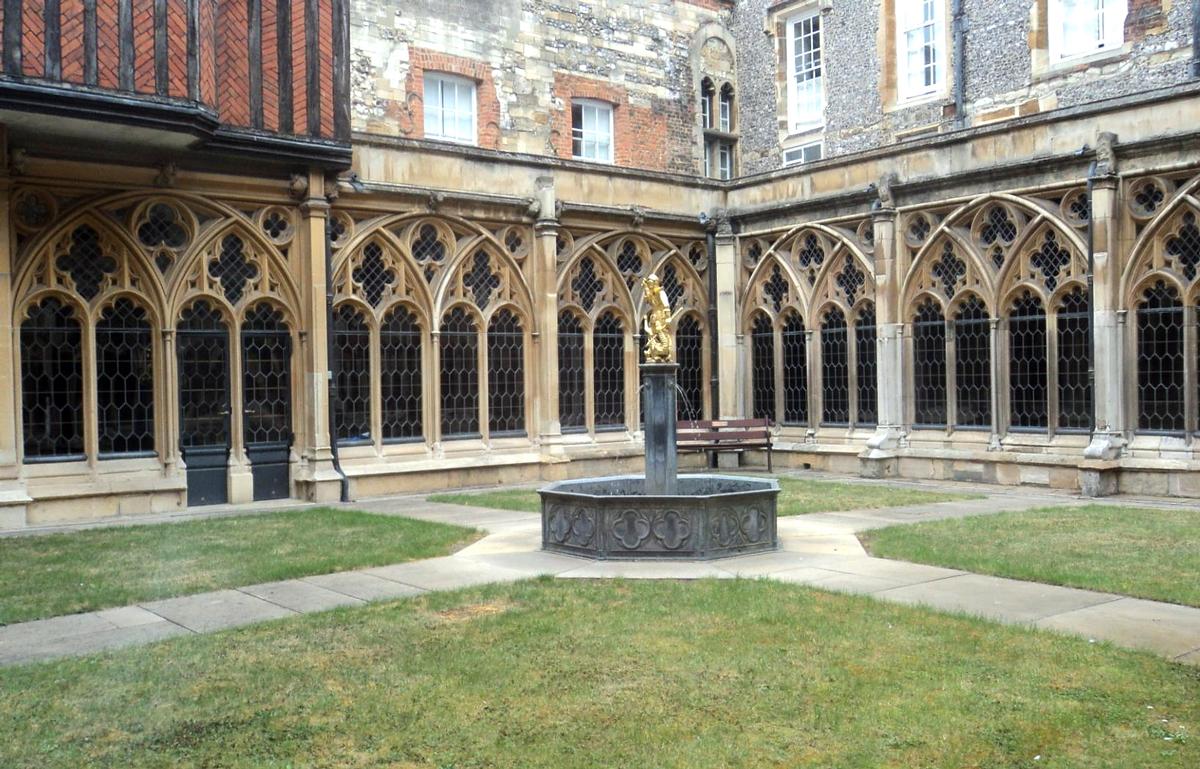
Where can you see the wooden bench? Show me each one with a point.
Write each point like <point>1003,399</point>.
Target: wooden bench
<point>725,435</point>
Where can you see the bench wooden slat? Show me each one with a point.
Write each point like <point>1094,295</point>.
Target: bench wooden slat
<point>724,435</point>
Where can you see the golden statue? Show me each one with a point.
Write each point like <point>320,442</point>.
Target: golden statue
<point>660,345</point>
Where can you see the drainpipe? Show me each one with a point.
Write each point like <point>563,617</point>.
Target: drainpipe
<point>714,342</point>
<point>1195,38</point>
<point>1091,286</point>
<point>331,381</point>
<point>960,63</point>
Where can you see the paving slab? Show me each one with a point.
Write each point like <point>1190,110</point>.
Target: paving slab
<point>828,544</point>
<point>1158,627</point>
<point>859,584</point>
<point>532,562</point>
<point>523,538</point>
<point>1190,659</point>
<point>649,570</point>
<point>217,610</point>
<point>113,638</point>
<point>363,586</point>
<point>995,598</point>
<point>301,596</point>
<point>901,572</point>
<point>129,616</point>
<point>762,564</point>
<point>40,631</point>
<point>805,575</point>
<point>449,573</point>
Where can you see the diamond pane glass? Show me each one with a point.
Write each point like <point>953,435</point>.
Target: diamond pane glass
<point>86,262</point>
<point>929,366</point>
<point>506,374</point>
<point>352,391</point>
<point>1160,360</point>
<point>762,366</point>
<point>608,352</point>
<point>232,269</point>
<point>835,369</point>
<point>973,365</point>
<point>203,357</point>
<point>373,274</point>
<point>124,380</point>
<point>868,383</point>
<point>1074,360</point>
<point>795,371</point>
<point>1028,388</point>
<point>400,376</point>
<point>689,352</point>
<point>266,377</point>
<point>52,382</point>
<point>460,375</point>
<point>571,380</point>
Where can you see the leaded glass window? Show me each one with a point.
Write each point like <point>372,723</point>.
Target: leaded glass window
<point>52,382</point>
<point>352,391</point>
<point>1074,362</point>
<point>400,376</point>
<point>1160,360</point>
<point>762,346</point>
<point>266,376</point>
<point>608,353</point>
<point>572,381</point>
<point>1028,387</point>
<point>460,375</point>
<point>835,369</point>
<point>795,371</point>
<point>689,352</point>
<point>929,365</point>
<point>506,374</point>
<point>973,365</point>
<point>865,363</point>
<point>125,380</point>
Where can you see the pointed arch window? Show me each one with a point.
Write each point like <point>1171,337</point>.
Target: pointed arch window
<point>929,366</point>
<point>352,391</point>
<point>506,375</point>
<point>1074,336</point>
<point>835,369</point>
<point>608,345</point>
<point>125,380</point>
<point>867,384</point>
<point>972,365</point>
<point>689,352</point>
<point>1028,385</point>
<point>762,375</point>
<point>1160,360</point>
<point>400,381</point>
<point>52,383</point>
<point>572,384</point>
<point>795,370</point>
<point>460,375</point>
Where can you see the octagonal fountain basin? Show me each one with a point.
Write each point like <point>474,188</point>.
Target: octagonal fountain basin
<point>709,516</point>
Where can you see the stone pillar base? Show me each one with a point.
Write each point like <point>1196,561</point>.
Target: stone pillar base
<point>241,484</point>
<point>877,464</point>
<point>728,460</point>
<point>14,505</point>
<point>1098,479</point>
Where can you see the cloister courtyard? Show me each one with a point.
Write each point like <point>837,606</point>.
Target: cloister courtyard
<point>900,624</point>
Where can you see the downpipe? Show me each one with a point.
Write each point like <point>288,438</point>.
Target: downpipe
<point>331,375</point>
<point>1195,38</point>
<point>960,59</point>
<point>1091,289</point>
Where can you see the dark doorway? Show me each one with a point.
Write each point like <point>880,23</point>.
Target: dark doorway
<point>267,400</point>
<point>203,356</point>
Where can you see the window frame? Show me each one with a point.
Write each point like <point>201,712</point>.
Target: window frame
<point>905,8</point>
<point>799,121</point>
<point>442,79</point>
<point>579,133</point>
<point>1060,49</point>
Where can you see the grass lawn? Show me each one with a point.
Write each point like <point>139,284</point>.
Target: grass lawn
<point>45,576</point>
<point>797,497</point>
<point>563,674</point>
<point>1127,550</point>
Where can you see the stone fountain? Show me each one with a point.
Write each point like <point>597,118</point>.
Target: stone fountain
<point>660,515</point>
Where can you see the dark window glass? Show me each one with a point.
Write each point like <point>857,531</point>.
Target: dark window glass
<point>973,365</point>
<point>266,376</point>
<point>608,349</point>
<point>506,374</point>
<point>1028,389</point>
<point>762,345</point>
<point>689,351</point>
<point>929,365</point>
<point>1160,360</point>
<point>52,382</point>
<point>835,369</point>
<point>571,379</point>
<point>460,375</point>
<point>868,383</point>
<point>203,359</point>
<point>795,371</point>
<point>400,376</point>
<point>1074,360</point>
<point>124,380</point>
<point>352,393</point>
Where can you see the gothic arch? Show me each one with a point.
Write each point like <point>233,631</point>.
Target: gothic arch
<point>502,277</point>
<point>1150,253</point>
<point>389,275</point>
<point>772,288</point>
<point>618,293</point>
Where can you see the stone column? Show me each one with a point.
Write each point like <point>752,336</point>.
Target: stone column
<point>727,330</point>
<point>878,459</point>
<point>1098,475</point>
<point>662,461</point>
<point>316,478</point>
<point>13,498</point>
<point>545,288</point>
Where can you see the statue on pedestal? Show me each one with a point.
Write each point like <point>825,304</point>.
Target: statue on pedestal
<point>660,345</point>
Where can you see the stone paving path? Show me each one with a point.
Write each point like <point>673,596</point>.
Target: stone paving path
<point>818,550</point>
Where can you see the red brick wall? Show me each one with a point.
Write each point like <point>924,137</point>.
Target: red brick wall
<point>299,69</point>
<point>487,106</point>
<point>71,19</point>
<point>640,134</point>
<point>177,85</point>
<point>33,44</point>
